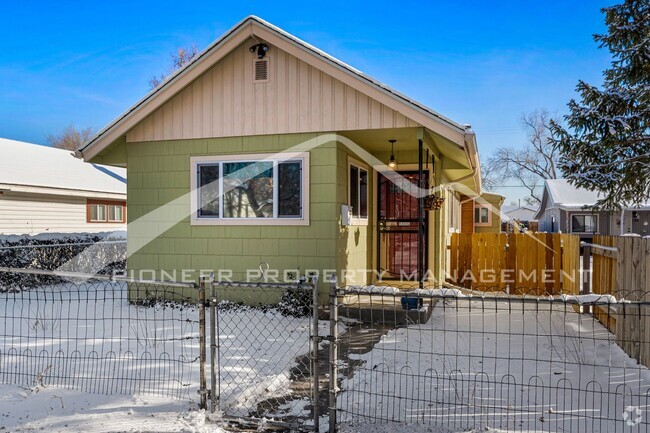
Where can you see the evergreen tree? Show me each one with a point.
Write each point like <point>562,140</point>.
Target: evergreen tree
<point>606,143</point>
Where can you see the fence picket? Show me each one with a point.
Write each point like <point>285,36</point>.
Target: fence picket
<point>524,263</point>
<point>624,273</point>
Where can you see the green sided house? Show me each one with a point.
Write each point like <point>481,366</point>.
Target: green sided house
<point>266,150</point>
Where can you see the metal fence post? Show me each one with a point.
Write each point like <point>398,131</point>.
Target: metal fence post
<point>314,355</point>
<point>586,268</point>
<point>586,273</point>
<point>203,392</point>
<point>214,392</point>
<point>334,354</point>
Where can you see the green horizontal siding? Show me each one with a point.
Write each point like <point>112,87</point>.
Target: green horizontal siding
<point>159,173</point>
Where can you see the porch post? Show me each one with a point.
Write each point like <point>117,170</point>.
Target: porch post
<point>420,217</point>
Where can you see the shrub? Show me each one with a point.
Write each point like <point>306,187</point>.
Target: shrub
<point>296,303</point>
<point>53,252</point>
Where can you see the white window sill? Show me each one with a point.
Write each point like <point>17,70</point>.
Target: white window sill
<point>249,222</point>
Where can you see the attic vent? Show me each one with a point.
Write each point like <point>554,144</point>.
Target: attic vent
<point>261,70</point>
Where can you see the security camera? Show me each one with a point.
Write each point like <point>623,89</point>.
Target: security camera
<point>261,50</point>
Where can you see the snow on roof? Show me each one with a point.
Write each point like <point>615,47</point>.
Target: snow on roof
<point>296,41</point>
<point>28,164</point>
<point>566,195</point>
<point>522,213</point>
<point>511,207</point>
<point>355,71</point>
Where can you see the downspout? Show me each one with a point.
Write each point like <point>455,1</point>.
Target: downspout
<point>470,141</point>
<point>472,153</point>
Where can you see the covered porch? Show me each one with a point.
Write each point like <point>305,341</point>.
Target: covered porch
<point>398,187</point>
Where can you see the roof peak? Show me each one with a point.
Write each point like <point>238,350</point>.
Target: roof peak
<point>109,133</point>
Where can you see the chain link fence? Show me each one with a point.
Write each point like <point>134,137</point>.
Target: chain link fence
<point>263,341</point>
<point>104,254</point>
<point>248,350</point>
<point>253,351</point>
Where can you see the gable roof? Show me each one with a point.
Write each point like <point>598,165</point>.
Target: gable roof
<point>256,27</point>
<point>559,193</point>
<point>34,168</point>
<point>522,213</point>
<point>563,194</point>
<point>510,207</point>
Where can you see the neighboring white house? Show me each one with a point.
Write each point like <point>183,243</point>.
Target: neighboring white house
<point>566,209</point>
<point>518,216</point>
<point>519,213</point>
<point>43,190</point>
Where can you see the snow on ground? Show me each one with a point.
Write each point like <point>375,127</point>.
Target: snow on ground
<point>479,363</point>
<point>76,236</point>
<point>64,347</point>
<point>60,410</point>
<point>257,352</point>
<point>88,337</point>
<point>393,428</point>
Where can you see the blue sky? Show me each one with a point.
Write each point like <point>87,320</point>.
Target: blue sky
<point>477,62</point>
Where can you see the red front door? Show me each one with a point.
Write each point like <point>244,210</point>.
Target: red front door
<point>398,226</point>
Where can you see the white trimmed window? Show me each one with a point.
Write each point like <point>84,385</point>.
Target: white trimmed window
<point>102,211</point>
<point>482,215</point>
<point>584,223</point>
<point>250,189</point>
<point>358,190</point>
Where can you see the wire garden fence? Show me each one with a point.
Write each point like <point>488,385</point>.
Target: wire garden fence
<point>242,348</point>
<point>443,358</point>
<point>446,359</point>
<point>90,336</point>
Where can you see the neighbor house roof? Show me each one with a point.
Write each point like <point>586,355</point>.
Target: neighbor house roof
<point>493,198</point>
<point>521,213</point>
<point>559,193</point>
<point>568,196</point>
<point>253,26</point>
<point>30,167</point>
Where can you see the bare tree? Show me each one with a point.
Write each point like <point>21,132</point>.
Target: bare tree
<point>489,177</point>
<point>70,138</point>
<point>530,164</point>
<point>180,58</point>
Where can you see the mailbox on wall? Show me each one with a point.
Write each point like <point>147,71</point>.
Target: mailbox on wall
<point>346,215</point>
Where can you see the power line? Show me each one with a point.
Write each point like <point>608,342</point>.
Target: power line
<point>505,185</point>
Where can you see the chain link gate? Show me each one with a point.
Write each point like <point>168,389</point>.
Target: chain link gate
<point>263,342</point>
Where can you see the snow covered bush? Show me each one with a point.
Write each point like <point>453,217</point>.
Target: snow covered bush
<point>59,252</point>
<point>296,303</point>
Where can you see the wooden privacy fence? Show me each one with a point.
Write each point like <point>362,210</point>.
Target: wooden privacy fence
<point>522,263</point>
<point>621,267</point>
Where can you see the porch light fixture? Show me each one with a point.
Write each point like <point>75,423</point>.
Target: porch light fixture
<point>391,162</point>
